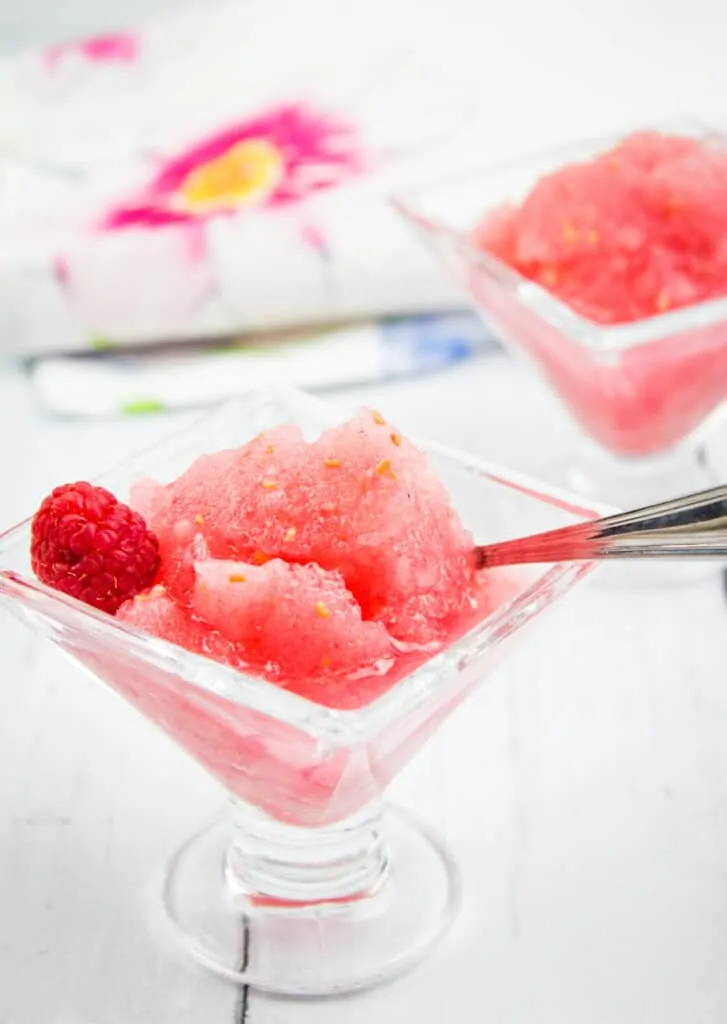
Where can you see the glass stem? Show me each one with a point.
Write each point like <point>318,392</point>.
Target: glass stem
<point>269,863</point>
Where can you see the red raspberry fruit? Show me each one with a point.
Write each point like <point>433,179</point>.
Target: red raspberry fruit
<point>91,546</point>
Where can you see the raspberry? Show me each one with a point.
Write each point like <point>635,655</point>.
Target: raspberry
<point>91,546</point>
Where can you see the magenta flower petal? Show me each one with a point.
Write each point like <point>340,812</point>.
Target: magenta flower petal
<point>279,157</point>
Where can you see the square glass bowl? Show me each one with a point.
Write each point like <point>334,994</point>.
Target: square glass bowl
<point>638,390</point>
<point>311,886</point>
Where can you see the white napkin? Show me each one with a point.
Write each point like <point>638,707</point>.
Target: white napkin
<point>222,170</point>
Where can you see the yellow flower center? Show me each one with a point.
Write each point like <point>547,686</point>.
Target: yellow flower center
<point>245,173</point>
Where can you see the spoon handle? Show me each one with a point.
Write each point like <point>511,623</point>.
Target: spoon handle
<point>694,526</point>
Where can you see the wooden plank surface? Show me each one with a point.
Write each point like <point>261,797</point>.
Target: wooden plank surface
<point>583,792</point>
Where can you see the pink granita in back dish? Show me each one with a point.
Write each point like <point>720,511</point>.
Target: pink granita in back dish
<point>632,241</point>
<point>633,232</point>
<point>330,568</point>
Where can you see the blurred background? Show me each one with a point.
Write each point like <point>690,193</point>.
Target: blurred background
<point>179,183</point>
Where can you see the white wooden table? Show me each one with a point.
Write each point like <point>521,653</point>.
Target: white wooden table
<point>583,791</point>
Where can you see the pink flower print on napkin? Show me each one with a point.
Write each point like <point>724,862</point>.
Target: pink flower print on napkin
<point>276,158</point>
<point>114,48</point>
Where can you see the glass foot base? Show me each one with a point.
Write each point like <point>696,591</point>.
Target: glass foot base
<point>633,483</point>
<point>318,950</point>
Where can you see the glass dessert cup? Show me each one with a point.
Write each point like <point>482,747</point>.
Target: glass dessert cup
<point>312,886</point>
<point>642,393</point>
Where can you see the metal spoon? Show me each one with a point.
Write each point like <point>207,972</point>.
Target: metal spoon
<point>694,526</point>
